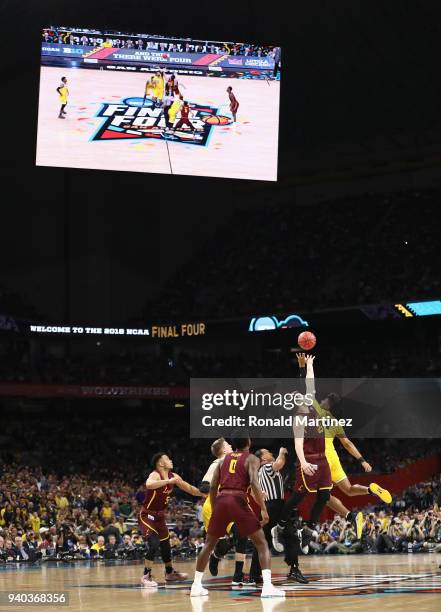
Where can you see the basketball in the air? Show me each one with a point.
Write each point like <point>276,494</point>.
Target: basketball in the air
<point>306,340</point>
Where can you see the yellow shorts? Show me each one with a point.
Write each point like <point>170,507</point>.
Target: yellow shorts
<point>206,515</point>
<point>337,472</point>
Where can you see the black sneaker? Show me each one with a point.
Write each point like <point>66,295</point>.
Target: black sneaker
<point>307,535</point>
<point>213,564</point>
<point>296,575</point>
<point>257,580</point>
<point>238,580</point>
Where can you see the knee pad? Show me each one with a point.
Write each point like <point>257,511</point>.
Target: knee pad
<point>241,545</point>
<point>222,547</point>
<point>165,550</point>
<point>153,546</point>
<point>237,541</point>
<point>324,495</point>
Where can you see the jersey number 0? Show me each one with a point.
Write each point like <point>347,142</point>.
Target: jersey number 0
<point>232,466</point>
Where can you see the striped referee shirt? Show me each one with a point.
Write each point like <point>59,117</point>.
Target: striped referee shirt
<point>271,482</point>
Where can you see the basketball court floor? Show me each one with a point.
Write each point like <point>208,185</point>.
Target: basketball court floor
<point>353,582</point>
<point>245,149</point>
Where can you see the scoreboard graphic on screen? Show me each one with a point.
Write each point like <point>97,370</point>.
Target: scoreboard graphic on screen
<point>155,104</point>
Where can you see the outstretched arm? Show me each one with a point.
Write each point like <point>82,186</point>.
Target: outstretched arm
<point>306,367</point>
<point>279,463</point>
<point>186,486</point>
<point>353,450</point>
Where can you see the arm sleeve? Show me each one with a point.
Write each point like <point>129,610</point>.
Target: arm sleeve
<point>204,486</point>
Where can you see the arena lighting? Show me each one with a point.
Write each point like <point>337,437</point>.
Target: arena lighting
<point>270,323</point>
<point>424,309</point>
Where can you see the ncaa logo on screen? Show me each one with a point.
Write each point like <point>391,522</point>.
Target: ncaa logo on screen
<point>136,118</point>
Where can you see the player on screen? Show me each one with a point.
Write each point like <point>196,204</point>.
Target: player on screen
<point>159,484</point>
<point>158,92</point>
<point>234,104</point>
<point>185,118</point>
<point>232,478</point>
<point>63,93</point>
<point>167,102</point>
<point>174,109</point>
<point>149,87</point>
<point>173,83</point>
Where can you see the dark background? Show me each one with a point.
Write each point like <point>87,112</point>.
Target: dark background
<point>360,88</point>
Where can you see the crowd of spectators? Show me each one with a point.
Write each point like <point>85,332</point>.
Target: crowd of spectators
<point>369,249</point>
<point>44,517</point>
<point>109,439</point>
<point>412,524</point>
<point>152,43</point>
<point>48,517</point>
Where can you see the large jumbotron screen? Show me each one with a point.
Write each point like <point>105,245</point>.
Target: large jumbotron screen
<point>148,103</point>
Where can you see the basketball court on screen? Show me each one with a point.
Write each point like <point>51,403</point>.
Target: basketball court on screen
<point>245,149</point>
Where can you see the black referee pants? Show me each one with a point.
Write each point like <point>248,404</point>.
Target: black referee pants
<point>292,545</point>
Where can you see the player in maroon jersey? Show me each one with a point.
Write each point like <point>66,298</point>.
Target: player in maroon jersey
<point>235,474</point>
<point>313,474</point>
<point>159,484</point>
<point>234,104</point>
<point>185,118</point>
<point>173,83</point>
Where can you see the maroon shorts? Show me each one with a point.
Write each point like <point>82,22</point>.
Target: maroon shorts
<point>151,522</point>
<point>232,508</point>
<point>321,478</point>
<point>254,506</point>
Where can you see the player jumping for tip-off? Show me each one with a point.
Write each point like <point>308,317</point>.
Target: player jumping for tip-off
<point>174,85</point>
<point>234,104</point>
<point>338,477</point>
<point>63,93</point>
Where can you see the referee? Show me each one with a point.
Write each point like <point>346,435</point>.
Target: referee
<point>271,483</point>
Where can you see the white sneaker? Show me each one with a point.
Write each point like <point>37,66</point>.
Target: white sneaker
<point>272,591</point>
<point>275,535</point>
<point>197,590</point>
<point>148,582</point>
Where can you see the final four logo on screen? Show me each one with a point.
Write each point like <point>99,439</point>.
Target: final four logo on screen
<point>130,119</point>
